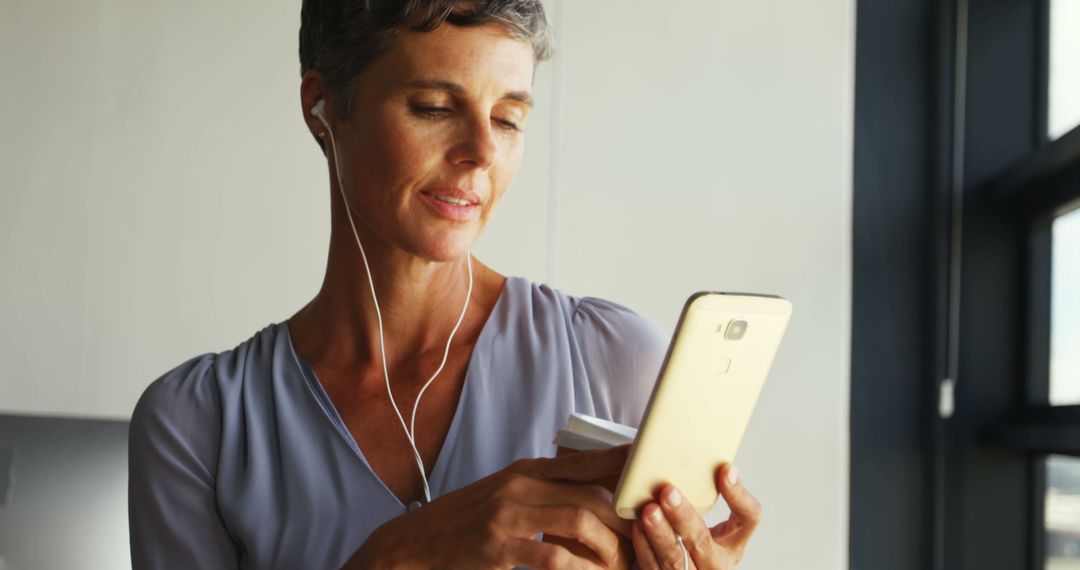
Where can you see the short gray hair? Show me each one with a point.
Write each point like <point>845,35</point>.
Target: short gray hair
<point>341,38</point>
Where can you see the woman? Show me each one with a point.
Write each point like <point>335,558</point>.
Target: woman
<point>297,448</point>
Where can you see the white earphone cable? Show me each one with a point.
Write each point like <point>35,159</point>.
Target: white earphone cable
<point>409,430</point>
<point>446,353</point>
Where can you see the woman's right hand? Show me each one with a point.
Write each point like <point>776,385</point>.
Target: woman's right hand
<point>493,522</point>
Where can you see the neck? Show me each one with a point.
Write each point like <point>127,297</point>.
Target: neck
<point>419,300</point>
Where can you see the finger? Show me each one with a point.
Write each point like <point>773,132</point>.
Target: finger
<point>646,559</point>
<point>576,548</point>
<point>687,523</point>
<point>577,523</point>
<point>541,492</point>
<point>745,509</point>
<point>662,537</point>
<point>532,554</point>
<point>588,465</point>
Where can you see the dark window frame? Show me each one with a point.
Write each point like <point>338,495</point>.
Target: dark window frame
<point>927,491</point>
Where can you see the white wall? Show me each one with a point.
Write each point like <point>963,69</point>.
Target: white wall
<point>707,145</point>
<point>162,198</point>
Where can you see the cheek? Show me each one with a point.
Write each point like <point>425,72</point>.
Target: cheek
<point>395,156</point>
<point>504,174</point>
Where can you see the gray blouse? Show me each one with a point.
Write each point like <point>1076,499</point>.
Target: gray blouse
<point>239,460</point>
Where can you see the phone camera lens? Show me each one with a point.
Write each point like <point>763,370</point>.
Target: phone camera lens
<point>736,330</point>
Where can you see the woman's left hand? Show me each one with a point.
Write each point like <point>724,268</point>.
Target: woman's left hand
<point>721,547</point>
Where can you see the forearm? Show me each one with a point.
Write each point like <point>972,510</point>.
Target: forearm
<point>366,557</point>
<point>381,551</point>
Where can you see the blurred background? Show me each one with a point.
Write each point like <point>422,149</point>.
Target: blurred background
<point>906,172</point>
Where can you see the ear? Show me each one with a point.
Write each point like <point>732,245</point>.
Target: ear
<point>313,89</point>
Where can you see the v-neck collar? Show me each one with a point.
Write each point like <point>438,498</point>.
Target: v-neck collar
<point>435,477</point>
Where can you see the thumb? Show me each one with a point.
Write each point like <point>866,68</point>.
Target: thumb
<point>584,466</point>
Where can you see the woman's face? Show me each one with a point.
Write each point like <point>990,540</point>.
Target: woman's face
<point>436,136</point>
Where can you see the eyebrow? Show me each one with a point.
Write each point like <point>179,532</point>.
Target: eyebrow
<point>450,86</point>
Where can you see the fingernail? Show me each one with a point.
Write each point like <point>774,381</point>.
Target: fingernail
<point>732,476</point>
<point>673,498</point>
<point>655,516</point>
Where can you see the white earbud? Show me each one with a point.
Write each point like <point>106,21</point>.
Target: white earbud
<point>317,111</point>
<point>410,430</point>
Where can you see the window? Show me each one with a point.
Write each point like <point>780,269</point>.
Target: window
<point>1065,309</point>
<point>1062,513</point>
<point>965,393</point>
<point>1064,88</point>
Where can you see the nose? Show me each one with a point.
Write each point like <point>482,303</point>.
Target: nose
<point>478,146</point>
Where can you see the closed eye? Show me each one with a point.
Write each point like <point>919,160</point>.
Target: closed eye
<point>440,112</point>
<point>508,125</point>
<point>432,112</point>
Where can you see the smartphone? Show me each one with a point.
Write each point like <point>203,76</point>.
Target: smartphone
<point>716,364</point>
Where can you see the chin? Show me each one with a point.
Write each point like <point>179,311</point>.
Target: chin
<point>445,248</point>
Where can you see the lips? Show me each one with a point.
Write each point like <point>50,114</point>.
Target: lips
<point>452,203</point>
<point>454,192</point>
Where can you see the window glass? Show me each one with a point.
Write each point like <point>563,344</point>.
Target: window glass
<point>1064,88</point>
<point>1065,311</point>
<point>1062,513</point>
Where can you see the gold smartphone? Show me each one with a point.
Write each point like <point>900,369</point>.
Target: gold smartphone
<point>715,367</point>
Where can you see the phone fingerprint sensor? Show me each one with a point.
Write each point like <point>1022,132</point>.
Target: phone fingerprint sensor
<point>723,367</point>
